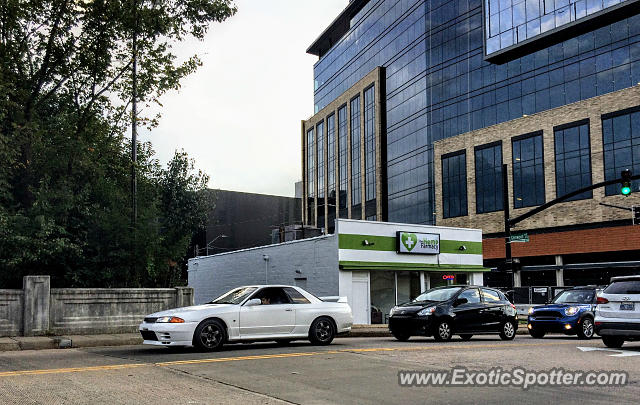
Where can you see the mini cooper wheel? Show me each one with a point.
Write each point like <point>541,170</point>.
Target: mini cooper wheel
<point>209,335</point>
<point>403,337</point>
<point>322,331</point>
<point>508,331</point>
<point>537,333</point>
<point>585,328</point>
<point>443,332</point>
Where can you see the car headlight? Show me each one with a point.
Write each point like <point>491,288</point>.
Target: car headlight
<point>571,311</point>
<point>169,319</point>
<point>427,311</point>
<point>531,310</point>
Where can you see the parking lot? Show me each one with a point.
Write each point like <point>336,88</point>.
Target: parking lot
<point>350,371</point>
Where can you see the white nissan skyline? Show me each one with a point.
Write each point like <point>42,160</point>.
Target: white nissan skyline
<point>251,313</point>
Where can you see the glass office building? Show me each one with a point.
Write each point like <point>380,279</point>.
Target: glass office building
<point>455,66</point>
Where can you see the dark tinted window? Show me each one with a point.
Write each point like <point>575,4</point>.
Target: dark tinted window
<point>488,162</point>
<point>573,160</point>
<point>272,296</point>
<point>454,185</point>
<point>528,171</point>
<point>621,138</point>
<point>623,287</point>
<point>369,144</point>
<point>356,187</point>
<point>491,295</point>
<point>295,296</point>
<point>472,296</point>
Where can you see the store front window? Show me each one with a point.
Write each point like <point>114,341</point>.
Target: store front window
<point>389,288</point>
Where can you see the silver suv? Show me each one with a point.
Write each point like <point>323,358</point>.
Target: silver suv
<point>618,311</point>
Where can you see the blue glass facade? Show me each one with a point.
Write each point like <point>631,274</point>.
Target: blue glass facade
<point>454,185</point>
<point>528,170</point>
<point>438,83</point>
<point>343,174</point>
<point>356,186</point>
<point>488,170</point>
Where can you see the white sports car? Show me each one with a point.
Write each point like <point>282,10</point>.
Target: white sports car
<point>270,312</point>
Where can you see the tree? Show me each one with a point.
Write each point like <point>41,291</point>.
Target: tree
<point>65,92</point>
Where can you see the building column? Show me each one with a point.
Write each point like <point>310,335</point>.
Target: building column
<point>37,292</point>
<point>559,272</point>
<point>516,279</point>
<point>423,282</point>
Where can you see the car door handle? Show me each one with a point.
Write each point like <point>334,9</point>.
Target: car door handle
<point>288,309</point>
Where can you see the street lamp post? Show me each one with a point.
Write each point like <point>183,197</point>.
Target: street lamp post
<point>213,240</point>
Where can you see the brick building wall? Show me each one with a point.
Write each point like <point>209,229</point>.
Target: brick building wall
<point>564,214</point>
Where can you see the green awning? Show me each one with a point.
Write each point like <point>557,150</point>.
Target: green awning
<point>354,265</point>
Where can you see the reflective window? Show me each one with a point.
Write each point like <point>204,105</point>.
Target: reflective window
<point>488,164</point>
<point>356,188</point>
<point>490,295</point>
<point>369,144</point>
<point>573,160</point>
<point>528,171</point>
<point>321,167</point>
<point>454,185</point>
<point>513,21</point>
<point>343,175</point>
<point>472,296</point>
<point>331,158</point>
<point>621,138</point>
<point>311,172</point>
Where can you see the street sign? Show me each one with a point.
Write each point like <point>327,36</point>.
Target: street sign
<point>519,237</point>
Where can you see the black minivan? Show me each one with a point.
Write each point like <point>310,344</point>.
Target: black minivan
<point>463,310</point>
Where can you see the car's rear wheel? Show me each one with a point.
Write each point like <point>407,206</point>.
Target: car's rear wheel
<point>466,337</point>
<point>403,337</point>
<point>613,342</point>
<point>209,335</point>
<point>322,331</point>
<point>443,331</point>
<point>536,333</point>
<point>585,329</point>
<point>507,331</point>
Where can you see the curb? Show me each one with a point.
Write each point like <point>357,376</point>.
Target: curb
<point>18,343</point>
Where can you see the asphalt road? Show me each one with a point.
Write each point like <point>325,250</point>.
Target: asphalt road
<point>350,371</point>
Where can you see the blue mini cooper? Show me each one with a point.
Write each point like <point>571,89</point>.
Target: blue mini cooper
<point>570,312</point>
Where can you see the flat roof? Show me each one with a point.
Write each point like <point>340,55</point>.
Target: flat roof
<point>336,29</point>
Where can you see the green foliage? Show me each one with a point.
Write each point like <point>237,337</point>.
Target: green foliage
<point>65,168</point>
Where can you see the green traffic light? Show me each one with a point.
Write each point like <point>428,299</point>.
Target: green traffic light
<point>626,190</point>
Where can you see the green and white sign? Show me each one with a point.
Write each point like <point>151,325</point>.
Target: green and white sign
<point>519,237</point>
<point>418,243</point>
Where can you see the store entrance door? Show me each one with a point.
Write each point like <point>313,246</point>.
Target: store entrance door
<point>360,304</point>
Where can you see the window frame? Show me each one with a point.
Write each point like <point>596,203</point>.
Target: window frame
<point>463,212</point>
<point>499,201</point>
<point>576,124</point>
<point>520,138</point>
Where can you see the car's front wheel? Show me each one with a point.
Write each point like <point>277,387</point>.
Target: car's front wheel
<point>209,335</point>
<point>536,333</point>
<point>322,331</point>
<point>613,342</point>
<point>443,331</point>
<point>508,331</point>
<point>403,337</point>
<point>585,330</point>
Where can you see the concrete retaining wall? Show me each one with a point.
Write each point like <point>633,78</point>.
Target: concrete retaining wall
<point>40,310</point>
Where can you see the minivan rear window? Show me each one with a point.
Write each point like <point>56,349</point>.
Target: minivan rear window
<point>623,287</point>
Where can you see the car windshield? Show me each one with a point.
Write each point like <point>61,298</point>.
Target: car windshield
<point>575,297</point>
<point>437,294</point>
<point>234,296</point>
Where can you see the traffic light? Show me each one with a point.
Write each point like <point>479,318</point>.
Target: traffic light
<point>626,182</point>
<point>635,212</point>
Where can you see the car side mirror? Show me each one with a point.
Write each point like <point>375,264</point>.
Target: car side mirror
<point>460,301</point>
<point>253,302</point>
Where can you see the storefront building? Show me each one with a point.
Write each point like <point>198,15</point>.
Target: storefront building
<point>375,265</point>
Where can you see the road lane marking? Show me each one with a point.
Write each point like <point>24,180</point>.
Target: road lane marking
<point>273,356</point>
<point>618,353</point>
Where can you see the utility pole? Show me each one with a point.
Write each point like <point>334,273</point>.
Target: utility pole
<point>507,228</point>
<point>134,128</point>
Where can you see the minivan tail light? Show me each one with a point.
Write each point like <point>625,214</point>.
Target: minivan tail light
<point>602,300</point>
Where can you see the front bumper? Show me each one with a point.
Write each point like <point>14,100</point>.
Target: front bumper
<point>555,325</point>
<point>411,325</point>
<point>168,334</point>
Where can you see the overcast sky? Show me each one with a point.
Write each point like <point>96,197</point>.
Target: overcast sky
<point>239,115</point>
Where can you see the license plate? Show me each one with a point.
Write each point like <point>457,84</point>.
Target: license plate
<point>627,306</point>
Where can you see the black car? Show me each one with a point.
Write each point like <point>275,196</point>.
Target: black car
<point>455,310</point>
